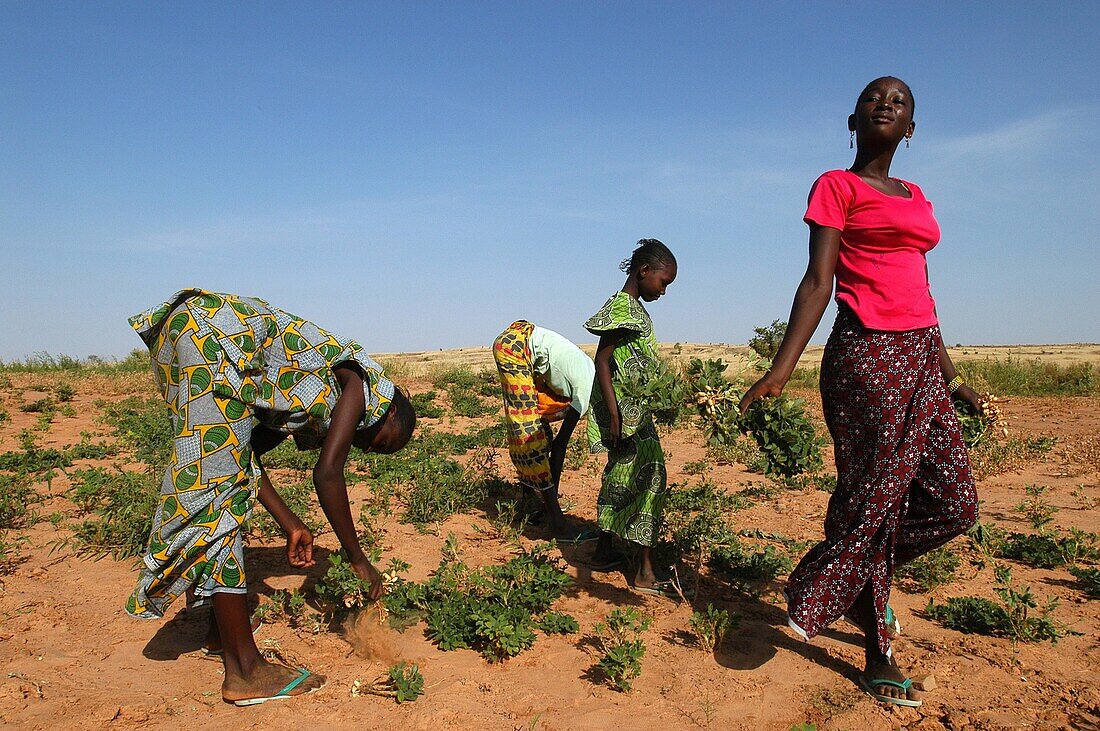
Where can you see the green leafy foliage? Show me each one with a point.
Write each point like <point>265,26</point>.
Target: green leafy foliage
<point>619,638</point>
<point>341,589</point>
<point>664,393</point>
<point>1044,550</point>
<point>747,571</point>
<point>425,406</point>
<point>930,571</point>
<point>786,437</point>
<point>298,496</point>
<point>766,340</point>
<point>402,682</point>
<point>711,626</point>
<point>558,623</point>
<point>286,605</point>
<point>1089,578</point>
<point>489,609</point>
<point>1035,507</point>
<point>145,426</point>
<point>16,497</point>
<point>1018,377</point>
<point>466,388</point>
<point>121,504</point>
<point>1010,616</point>
<point>715,401</point>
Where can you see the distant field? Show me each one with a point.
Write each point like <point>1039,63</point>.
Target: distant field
<point>414,364</point>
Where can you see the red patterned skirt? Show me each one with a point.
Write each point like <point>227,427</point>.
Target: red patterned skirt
<point>904,485</point>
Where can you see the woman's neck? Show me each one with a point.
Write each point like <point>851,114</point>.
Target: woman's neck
<point>874,164</point>
<point>631,286</point>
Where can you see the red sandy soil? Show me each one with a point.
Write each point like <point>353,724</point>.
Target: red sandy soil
<point>71,657</point>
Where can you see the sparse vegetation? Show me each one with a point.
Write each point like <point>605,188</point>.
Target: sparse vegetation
<point>711,627</point>
<point>932,570</point>
<point>619,639</point>
<point>490,609</point>
<point>1010,616</point>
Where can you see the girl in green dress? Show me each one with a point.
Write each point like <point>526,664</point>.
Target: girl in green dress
<point>634,481</point>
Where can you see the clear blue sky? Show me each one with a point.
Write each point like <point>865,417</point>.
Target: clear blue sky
<point>418,175</point>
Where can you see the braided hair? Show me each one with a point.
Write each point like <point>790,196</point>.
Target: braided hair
<point>648,251</point>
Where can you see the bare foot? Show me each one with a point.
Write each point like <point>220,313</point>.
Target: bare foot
<point>266,680</point>
<point>887,669</point>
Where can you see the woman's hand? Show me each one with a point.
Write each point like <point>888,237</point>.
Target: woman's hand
<point>299,546</point>
<point>366,571</point>
<point>766,387</point>
<point>615,428</point>
<point>970,397</point>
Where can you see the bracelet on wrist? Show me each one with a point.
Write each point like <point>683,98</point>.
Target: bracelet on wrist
<point>955,384</point>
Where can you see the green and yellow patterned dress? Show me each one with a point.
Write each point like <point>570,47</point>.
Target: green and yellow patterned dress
<point>634,482</point>
<point>225,363</point>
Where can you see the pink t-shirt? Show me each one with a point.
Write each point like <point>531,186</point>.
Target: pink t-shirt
<point>880,269</point>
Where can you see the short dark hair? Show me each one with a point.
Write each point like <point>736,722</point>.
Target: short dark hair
<point>402,412</point>
<point>651,252</point>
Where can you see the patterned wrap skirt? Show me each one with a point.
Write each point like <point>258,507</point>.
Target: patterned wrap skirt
<point>527,401</point>
<point>904,484</point>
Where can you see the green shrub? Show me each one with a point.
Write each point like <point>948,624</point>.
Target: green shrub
<point>1017,377</point>
<point>749,572</point>
<point>145,426</point>
<point>1009,617</point>
<point>1089,578</point>
<point>425,406</point>
<point>490,609</point>
<point>16,497</point>
<point>123,504</point>
<point>402,682</point>
<point>42,405</point>
<point>298,497</point>
<point>766,340</point>
<point>1036,508</point>
<point>557,623</point>
<point>930,571</point>
<point>712,626</point>
<point>619,638</point>
<point>663,393</point>
<point>786,437</point>
<point>341,589</point>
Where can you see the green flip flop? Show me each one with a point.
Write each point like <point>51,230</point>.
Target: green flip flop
<point>869,686</point>
<point>284,693</point>
<point>584,536</point>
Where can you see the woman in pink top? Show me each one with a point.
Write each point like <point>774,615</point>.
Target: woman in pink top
<point>904,485</point>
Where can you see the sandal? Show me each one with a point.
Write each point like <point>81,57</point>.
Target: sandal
<point>583,536</point>
<point>869,686</point>
<point>303,674</point>
<point>665,589</point>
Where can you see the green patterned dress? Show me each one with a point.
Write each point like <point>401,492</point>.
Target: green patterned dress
<point>225,363</point>
<point>634,482</point>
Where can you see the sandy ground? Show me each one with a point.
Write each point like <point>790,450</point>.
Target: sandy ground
<point>70,656</point>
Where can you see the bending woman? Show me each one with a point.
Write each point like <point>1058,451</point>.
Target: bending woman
<point>239,376</point>
<point>904,485</point>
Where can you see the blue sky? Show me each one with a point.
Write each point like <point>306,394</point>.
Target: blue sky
<point>418,175</point>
